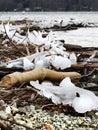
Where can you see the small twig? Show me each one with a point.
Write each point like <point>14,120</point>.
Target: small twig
<point>4,125</point>
<point>23,40</point>
<point>27,50</point>
<point>21,85</point>
<point>89,74</point>
<point>14,122</point>
<point>29,88</point>
<point>92,56</point>
<point>47,105</point>
<point>35,97</point>
<point>8,94</point>
<point>18,94</point>
<point>13,34</point>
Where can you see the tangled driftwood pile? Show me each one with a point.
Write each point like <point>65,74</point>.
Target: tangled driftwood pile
<point>14,84</point>
<point>86,61</point>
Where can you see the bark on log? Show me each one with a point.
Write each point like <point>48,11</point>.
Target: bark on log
<point>36,74</point>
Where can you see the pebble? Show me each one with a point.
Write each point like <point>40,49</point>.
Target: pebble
<point>38,119</point>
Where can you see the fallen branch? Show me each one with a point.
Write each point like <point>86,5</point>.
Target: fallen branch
<point>81,66</point>
<point>36,74</point>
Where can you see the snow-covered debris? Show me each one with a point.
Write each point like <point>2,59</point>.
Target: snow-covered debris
<point>66,93</point>
<point>8,109</point>
<point>56,47</point>
<point>8,30</point>
<point>36,38</point>
<point>2,28</point>
<point>12,33</point>
<point>73,58</point>
<point>60,62</point>
<point>19,39</point>
<point>44,91</point>
<point>84,103</point>
<point>53,53</point>
<point>41,60</point>
<point>25,62</point>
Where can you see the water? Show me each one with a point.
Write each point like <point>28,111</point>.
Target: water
<point>82,16</point>
<point>85,37</point>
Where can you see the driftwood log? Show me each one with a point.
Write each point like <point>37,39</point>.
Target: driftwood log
<point>36,74</point>
<point>81,66</point>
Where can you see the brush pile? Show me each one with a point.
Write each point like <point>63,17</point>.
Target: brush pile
<point>29,52</point>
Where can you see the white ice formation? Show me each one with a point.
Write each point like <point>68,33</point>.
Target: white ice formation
<point>54,54</point>
<point>66,93</point>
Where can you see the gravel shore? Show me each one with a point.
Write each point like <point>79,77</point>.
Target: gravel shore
<point>39,119</point>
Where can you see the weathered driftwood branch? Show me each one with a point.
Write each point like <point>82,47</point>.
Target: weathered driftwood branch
<point>36,74</point>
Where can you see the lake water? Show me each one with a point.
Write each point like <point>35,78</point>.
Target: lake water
<point>83,16</point>
<point>86,37</point>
